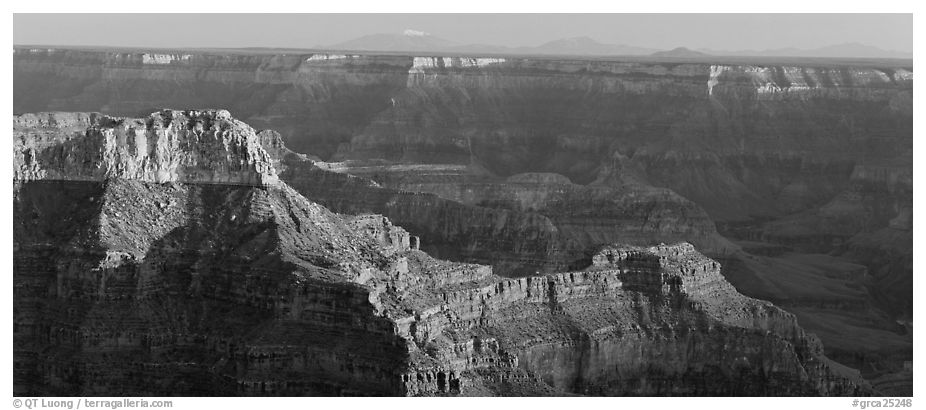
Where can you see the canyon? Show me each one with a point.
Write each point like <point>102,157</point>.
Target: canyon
<point>796,176</point>
<point>232,283</point>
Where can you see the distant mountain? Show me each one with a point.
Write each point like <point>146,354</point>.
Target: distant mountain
<point>588,46</point>
<point>419,41</point>
<point>846,50</point>
<point>413,40</point>
<point>680,52</point>
<point>410,40</point>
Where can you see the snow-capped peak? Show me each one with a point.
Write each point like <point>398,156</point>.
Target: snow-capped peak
<point>415,33</point>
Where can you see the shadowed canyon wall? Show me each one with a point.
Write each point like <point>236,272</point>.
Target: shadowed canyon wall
<point>214,285</point>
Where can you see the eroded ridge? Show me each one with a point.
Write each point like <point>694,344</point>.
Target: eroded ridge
<point>214,281</point>
<point>635,302</point>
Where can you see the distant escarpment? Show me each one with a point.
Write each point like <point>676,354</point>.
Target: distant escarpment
<point>741,140</point>
<point>512,115</point>
<point>206,283</point>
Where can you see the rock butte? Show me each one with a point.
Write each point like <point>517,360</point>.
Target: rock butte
<point>215,283</point>
<point>169,146</point>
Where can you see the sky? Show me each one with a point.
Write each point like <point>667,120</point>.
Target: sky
<point>661,31</point>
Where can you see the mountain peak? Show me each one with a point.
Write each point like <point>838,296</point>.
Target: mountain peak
<point>679,52</point>
<point>584,45</point>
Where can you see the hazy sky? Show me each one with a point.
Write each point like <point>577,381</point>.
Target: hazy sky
<point>663,31</point>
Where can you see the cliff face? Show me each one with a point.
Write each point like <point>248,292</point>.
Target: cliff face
<point>169,146</point>
<point>206,287</point>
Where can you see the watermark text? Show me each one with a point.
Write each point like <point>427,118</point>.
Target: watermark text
<point>882,403</point>
<point>75,404</point>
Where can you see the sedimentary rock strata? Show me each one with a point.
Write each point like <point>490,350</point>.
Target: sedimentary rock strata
<point>168,146</point>
<point>208,287</point>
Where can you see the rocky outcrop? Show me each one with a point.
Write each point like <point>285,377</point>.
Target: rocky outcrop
<point>514,243</point>
<point>200,287</point>
<point>167,146</point>
<point>583,216</point>
<point>643,305</point>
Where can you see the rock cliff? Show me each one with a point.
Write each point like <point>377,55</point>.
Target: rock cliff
<point>126,284</point>
<point>168,146</point>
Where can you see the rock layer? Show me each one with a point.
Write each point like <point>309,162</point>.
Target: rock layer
<point>203,288</point>
<point>168,146</point>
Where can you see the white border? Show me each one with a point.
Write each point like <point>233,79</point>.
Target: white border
<point>418,6</point>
